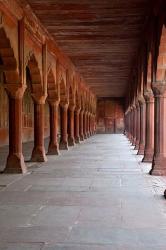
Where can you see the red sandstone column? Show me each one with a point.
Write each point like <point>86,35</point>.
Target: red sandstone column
<point>149,135</point>
<point>77,125</point>
<point>53,148</point>
<point>137,126</point>
<point>128,124</point>
<point>85,125</point>
<point>64,137</point>
<point>15,160</point>
<point>38,153</point>
<point>129,121</point>
<point>90,124</point>
<point>142,126</point>
<point>134,125</point>
<point>159,158</point>
<point>71,141</point>
<point>81,130</point>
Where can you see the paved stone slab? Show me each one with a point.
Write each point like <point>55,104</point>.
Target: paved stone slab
<point>96,196</point>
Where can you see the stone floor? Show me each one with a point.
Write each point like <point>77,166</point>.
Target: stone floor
<point>96,196</point>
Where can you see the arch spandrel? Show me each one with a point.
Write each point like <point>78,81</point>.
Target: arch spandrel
<point>161,61</point>
<point>52,87</point>
<point>36,85</point>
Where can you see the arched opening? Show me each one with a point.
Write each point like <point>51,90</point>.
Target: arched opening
<point>33,107</point>
<point>28,117</point>
<point>8,75</point>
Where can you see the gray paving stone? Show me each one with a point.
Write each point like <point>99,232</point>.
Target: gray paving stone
<point>96,196</point>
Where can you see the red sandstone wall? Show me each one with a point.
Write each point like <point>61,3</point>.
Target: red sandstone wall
<point>110,115</point>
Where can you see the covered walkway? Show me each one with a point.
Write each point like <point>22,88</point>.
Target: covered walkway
<point>97,196</point>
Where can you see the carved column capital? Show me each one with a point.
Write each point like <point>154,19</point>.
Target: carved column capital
<point>39,99</point>
<point>141,100</point>
<point>72,107</point>
<point>159,89</point>
<point>16,91</point>
<point>148,95</point>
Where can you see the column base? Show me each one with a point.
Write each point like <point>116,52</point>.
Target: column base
<point>15,165</point>
<point>148,156</point>
<point>71,141</point>
<point>141,149</point>
<point>85,136</point>
<point>63,145</point>
<point>77,139</point>
<point>81,138</point>
<point>53,149</point>
<point>38,155</point>
<point>158,167</point>
<point>133,142</point>
<point>136,145</point>
<point>88,134</point>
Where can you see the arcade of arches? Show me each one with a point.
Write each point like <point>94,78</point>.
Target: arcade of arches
<point>44,96</point>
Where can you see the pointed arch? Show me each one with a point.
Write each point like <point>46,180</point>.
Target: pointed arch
<point>52,87</point>
<point>8,60</point>
<point>34,76</point>
<point>161,61</point>
<point>63,94</point>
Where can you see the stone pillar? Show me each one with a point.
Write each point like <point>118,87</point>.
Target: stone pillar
<point>85,125</point>
<point>38,153</point>
<point>137,126</point>
<point>53,148</point>
<point>81,130</point>
<point>64,136</point>
<point>134,125</point>
<point>90,124</point>
<point>77,125</point>
<point>149,135</point>
<point>15,160</point>
<point>159,158</point>
<point>131,125</point>
<point>142,126</point>
<point>71,140</point>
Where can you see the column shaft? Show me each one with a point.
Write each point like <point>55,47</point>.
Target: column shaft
<point>53,148</point>
<point>64,137</point>
<point>15,160</point>
<point>149,135</point>
<point>38,153</point>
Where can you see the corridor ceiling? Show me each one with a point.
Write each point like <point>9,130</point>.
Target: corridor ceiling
<point>100,36</point>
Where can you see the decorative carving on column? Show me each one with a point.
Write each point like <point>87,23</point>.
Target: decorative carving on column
<point>149,132</point>
<point>159,158</point>
<point>142,126</point>
<point>15,160</point>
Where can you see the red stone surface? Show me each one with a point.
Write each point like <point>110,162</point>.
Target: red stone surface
<point>110,115</point>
